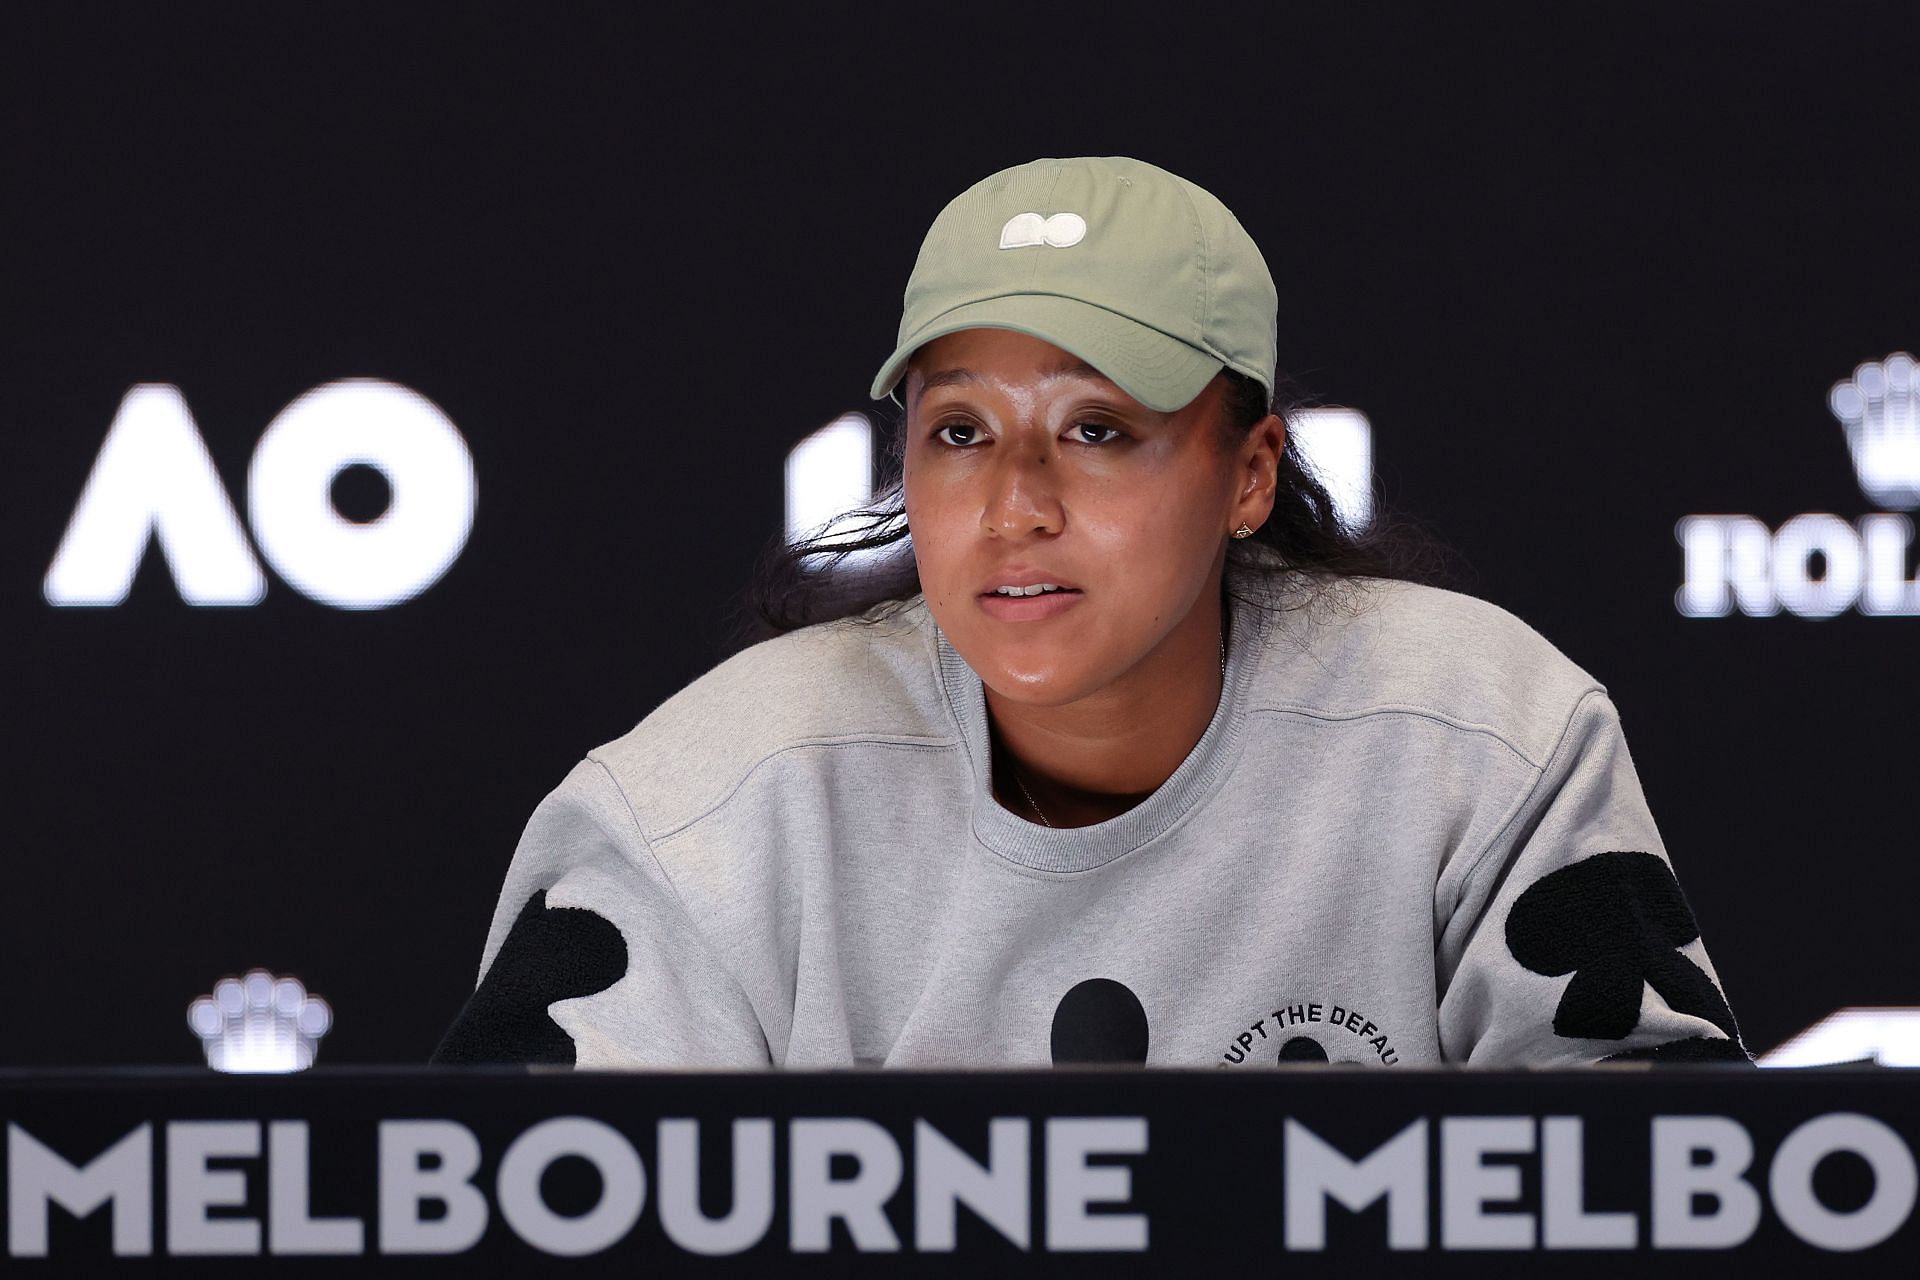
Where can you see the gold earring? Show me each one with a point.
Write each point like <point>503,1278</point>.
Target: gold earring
<point>1243,531</point>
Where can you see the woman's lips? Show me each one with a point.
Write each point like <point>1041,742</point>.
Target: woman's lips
<point>1028,608</point>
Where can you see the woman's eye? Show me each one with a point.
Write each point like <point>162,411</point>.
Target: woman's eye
<point>1091,432</point>
<point>963,431</point>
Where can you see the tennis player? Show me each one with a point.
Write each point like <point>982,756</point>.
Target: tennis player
<point>1111,744</point>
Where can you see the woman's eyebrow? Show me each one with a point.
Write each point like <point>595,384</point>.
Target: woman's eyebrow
<point>956,377</point>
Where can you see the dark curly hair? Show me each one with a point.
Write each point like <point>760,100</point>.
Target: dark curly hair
<point>862,566</point>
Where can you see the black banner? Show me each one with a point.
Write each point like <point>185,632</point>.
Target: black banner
<point>1307,1170</point>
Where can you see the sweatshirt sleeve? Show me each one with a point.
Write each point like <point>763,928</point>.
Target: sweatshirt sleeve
<point>1569,941</point>
<point>592,959</point>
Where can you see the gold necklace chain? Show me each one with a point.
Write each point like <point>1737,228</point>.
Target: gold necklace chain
<point>1035,805</point>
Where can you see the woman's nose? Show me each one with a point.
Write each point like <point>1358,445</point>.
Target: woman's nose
<point>1023,494</point>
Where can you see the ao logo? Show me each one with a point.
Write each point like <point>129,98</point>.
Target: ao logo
<point>830,473</point>
<point>1818,565</point>
<point>154,480</point>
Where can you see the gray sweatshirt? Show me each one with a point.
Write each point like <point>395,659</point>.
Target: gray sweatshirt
<point>1411,834</point>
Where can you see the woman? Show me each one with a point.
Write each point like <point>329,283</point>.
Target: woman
<point>1130,763</point>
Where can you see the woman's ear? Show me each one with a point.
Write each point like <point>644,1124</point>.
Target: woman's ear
<point>1260,469</point>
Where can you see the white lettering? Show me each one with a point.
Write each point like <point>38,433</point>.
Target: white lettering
<point>1894,1182</point>
<point>193,1187</point>
<point>829,474</point>
<point>818,1198</point>
<point>1073,1184</point>
<point>1335,444</point>
<point>623,1186</point>
<point>1838,546</point>
<point>944,1176</point>
<point>1315,1170</point>
<point>1733,560</point>
<point>1468,1183</point>
<point>122,1175</point>
<point>1678,1179</point>
<point>407,1183</point>
<point>746,1223</point>
<point>411,442</point>
<point>1564,1220</point>
<point>154,478</point>
<point>291,1228</point>
<point>1888,592</point>
<point>1723,552</point>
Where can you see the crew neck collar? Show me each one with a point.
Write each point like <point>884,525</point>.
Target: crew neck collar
<point>1071,849</point>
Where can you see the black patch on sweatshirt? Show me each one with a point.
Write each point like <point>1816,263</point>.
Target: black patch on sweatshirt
<point>1302,1049</point>
<point>1614,921</point>
<point>550,954</point>
<point>1099,1020</point>
<point>1698,1049</point>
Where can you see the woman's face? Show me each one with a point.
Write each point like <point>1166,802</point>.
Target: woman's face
<point>1023,465</point>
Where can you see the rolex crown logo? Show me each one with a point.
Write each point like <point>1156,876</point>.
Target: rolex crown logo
<point>1880,411</point>
<point>259,1023</point>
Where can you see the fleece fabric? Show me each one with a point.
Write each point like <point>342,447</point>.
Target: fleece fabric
<point>1411,834</point>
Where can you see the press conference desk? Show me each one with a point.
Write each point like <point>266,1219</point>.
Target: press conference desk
<point>1681,1171</point>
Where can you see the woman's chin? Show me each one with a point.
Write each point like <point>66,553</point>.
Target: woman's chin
<point>1046,687</point>
<point>1035,671</point>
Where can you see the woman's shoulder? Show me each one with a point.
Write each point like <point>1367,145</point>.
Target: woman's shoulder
<point>1374,644</point>
<point>869,678</point>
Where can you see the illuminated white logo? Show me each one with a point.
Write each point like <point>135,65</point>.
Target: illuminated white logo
<point>1818,565</point>
<point>1025,230</point>
<point>830,473</point>
<point>259,1023</point>
<point>829,477</point>
<point>1876,407</point>
<point>154,480</point>
<point>1888,1036</point>
<point>1336,445</point>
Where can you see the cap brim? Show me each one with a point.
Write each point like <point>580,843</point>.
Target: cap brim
<point>1162,373</point>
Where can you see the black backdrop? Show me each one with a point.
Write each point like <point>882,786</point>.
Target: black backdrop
<point>1585,273</point>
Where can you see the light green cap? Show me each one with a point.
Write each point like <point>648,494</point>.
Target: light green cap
<point>1142,274</point>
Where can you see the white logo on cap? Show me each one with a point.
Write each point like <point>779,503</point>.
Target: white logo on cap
<point>1024,230</point>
